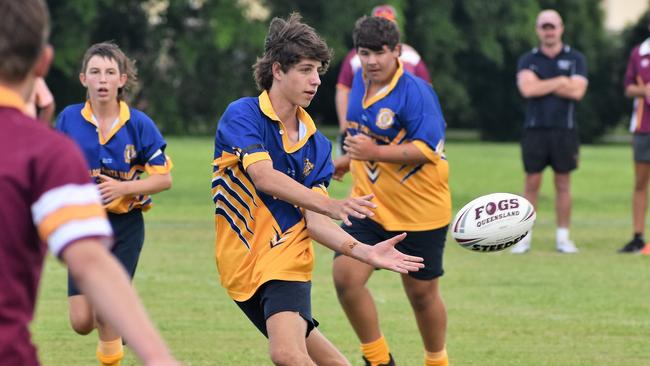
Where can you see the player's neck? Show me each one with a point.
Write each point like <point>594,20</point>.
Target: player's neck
<point>284,109</point>
<point>23,88</point>
<point>105,113</point>
<point>553,50</point>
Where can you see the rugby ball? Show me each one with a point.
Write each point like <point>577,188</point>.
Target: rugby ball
<point>493,222</point>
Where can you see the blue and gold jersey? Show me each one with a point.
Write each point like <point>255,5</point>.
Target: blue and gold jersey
<point>133,146</point>
<point>409,197</point>
<point>258,237</point>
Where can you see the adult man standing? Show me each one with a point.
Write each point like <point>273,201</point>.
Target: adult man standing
<point>552,78</point>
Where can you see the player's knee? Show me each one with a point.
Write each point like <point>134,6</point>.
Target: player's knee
<point>282,356</point>
<point>82,323</point>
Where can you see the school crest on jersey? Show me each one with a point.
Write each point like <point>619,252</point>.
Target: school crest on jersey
<point>308,166</point>
<point>385,118</point>
<point>129,153</point>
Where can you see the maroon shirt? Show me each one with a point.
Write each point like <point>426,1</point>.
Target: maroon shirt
<point>45,194</point>
<point>638,72</point>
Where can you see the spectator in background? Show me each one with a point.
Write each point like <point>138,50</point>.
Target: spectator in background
<point>41,102</point>
<point>409,56</point>
<point>552,77</point>
<point>637,77</point>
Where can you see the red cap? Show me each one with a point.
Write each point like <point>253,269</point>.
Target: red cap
<point>385,11</point>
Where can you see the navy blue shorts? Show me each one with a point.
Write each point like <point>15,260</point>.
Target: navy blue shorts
<point>428,244</point>
<point>128,230</point>
<point>277,296</point>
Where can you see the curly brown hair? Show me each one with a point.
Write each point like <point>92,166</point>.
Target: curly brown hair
<point>375,32</point>
<point>287,43</point>
<point>112,51</point>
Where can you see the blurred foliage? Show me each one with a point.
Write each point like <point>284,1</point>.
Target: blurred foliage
<point>195,56</point>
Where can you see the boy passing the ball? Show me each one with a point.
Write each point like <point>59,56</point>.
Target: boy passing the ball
<point>395,154</point>
<point>271,172</point>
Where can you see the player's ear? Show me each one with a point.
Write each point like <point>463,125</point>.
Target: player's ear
<point>43,62</point>
<point>398,49</point>
<point>82,78</point>
<point>123,79</point>
<point>276,68</point>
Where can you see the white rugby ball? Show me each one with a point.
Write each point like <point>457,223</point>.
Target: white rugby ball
<point>493,222</point>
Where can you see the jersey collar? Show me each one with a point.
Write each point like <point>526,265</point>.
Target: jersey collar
<point>303,117</point>
<point>11,99</point>
<point>125,115</point>
<point>386,90</point>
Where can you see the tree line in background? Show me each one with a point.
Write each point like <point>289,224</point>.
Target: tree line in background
<point>195,56</point>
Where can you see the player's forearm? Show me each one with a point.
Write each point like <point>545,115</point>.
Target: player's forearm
<point>635,91</point>
<point>323,230</point>
<point>101,278</point>
<point>401,154</point>
<point>152,184</point>
<point>281,186</point>
<point>575,89</point>
<point>341,101</point>
<point>539,87</point>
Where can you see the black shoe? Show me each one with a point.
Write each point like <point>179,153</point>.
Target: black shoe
<point>391,362</point>
<point>634,246</point>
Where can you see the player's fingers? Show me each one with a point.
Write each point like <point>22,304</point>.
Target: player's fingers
<point>397,238</point>
<point>105,178</point>
<point>346,220</point>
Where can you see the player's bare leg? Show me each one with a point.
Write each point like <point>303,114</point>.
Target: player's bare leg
<point>531,187</point>
<point>287,345</point>
<point>350,278</point>
<point>640,195</point>
<point>563,199</point>
<point>82,316</point>
<point>323,352</point>
<point>430,313</point>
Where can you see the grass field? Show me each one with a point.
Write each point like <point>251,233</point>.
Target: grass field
<point>542,308</point>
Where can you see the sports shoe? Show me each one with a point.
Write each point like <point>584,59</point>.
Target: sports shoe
<point>391,362</point>
<point>633,246</point>
<point>646,249</point>
<point>566,247</point>
<point>523,246</point>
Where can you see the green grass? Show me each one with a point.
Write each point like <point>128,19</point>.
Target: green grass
<point>542,308</point>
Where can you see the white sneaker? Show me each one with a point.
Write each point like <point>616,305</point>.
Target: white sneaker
<point>523,246</point>
<point>567,247</point>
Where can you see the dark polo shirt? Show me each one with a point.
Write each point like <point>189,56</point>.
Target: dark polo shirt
<point>551,111</point>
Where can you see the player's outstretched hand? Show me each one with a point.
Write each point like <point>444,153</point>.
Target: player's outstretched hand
<point>384,255</point>
<point>358,207</point>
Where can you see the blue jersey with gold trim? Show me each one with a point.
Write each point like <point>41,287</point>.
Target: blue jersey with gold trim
<point>258,237</point>
<point>133,146</point>
<point>412,197</point>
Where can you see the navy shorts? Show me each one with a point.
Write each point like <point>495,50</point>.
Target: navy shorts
<point>277,296</point>
<point>128,229</point>
<point>428,244</point>
<point>556,147</point>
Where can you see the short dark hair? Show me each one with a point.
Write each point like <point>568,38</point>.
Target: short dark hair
<point>375,32</point>
<point>24,30</point>
<point>288,42</point>
<point>112,51</point>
